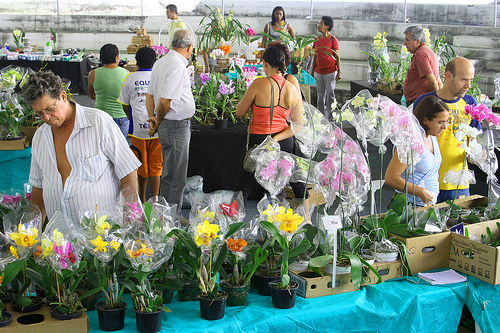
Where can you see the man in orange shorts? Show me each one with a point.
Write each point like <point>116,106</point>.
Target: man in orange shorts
<point>147,148</point>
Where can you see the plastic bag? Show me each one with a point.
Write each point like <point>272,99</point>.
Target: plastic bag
<point>193,184</point>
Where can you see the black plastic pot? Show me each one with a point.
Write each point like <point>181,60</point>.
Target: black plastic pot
<point>40,292</point>
<point>111,319</point>
<point>148,322</point>
<point>189,292</point>
<point>284,298</point>
<point>212,309</point>
<point>7,321</point>
<point>62,316</point>
<point>294,67</point>
<point>167,296</point>
<point>90,302</point>
<point>36,303</point>
<point>220,124</point>
<point>236,295</point>
<point>262,284</point>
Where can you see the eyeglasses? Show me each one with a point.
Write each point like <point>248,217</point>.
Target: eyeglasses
<point>442,123</point>
<point>47,111</point>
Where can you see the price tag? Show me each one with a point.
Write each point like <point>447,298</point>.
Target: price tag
<point>332,222</point>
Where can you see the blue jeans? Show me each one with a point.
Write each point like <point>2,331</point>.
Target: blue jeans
<point>124,125</point>
<point>450,194</point>
<point>175,136</point>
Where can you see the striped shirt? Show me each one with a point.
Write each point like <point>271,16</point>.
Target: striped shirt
<point>99,157</point>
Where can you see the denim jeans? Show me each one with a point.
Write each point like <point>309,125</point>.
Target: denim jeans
<point>124,125</point>
<point>450,194</point>
<point>175,136</point>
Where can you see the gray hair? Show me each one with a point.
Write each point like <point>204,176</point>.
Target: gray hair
<point>40,84</point>
<point>417,32</point>
<point>182,39</point>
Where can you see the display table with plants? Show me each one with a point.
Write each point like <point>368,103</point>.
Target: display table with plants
<point>394,301</point>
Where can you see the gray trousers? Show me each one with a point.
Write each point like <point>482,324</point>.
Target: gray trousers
<point>325,89</point>
<point>175,136</point>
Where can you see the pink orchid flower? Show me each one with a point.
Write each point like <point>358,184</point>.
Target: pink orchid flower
<point>136,211</point>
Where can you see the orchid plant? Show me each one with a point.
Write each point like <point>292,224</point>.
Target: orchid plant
<point>18,37</point>
<point>283,225</point>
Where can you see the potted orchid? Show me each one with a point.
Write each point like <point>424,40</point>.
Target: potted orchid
<point>22,227</point>
<point>283,225</point>
<point>102,234</point>
<point>18,36</point>
<point>245,259</point>
<point>145,256</point>
<point>226,91</point>
<point>62,252</point>
<point>205,251</point>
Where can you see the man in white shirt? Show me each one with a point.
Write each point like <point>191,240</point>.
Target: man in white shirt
<point>80,160</point>
<point>175,23</point>
<point>170,105</point>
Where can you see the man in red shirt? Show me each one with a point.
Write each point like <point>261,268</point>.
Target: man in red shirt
<point>423,75</point>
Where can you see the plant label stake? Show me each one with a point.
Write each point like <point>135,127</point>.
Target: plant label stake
<point>333,222</point>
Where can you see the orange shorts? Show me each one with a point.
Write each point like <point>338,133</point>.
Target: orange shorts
<point>150,154</point>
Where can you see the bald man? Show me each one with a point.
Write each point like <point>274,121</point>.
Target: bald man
<point>459,74</point>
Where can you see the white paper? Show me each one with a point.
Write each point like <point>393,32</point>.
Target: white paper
<point>443,277</point>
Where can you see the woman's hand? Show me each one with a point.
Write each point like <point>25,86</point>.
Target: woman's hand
<point>425,195</point>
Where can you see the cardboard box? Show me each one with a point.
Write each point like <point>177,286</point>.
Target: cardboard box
<point>314,195</point>
<point>47,323</point>
<point>387,270</point>
<point>473,258</point>
<point>311,285</point>
<point>29,131</point>
<point>392,87</point>
<point>427,252</point>
<point>14,144</point>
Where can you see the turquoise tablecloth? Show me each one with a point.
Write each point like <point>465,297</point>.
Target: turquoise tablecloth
<point>398,305</point>
<point>15,169</point>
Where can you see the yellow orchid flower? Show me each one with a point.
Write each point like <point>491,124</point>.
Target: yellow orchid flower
<point>25,237</point>
<point>99,244</point>
<point>271,212</point>
<point>289,221</point>
<point>58,237</point>
<point>13,250</point>
<point>102,225</point>
<point>47,247</point>
<point>147,251</point>
<point>115,245</point>
<point>205,232</point>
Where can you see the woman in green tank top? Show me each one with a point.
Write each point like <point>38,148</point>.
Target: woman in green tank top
<point>105,84</point>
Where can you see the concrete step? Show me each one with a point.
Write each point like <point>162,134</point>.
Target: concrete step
<point>350,49</point>
<point>488,42</point>
<point>354,69</point>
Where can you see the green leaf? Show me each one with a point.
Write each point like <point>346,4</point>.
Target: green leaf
<point>11,271</point>
<point>147,211</point>
<point>274,232</point>
<point>398,204</point>
<point>285,280</point>
<point>356,267</point>
<point>299,249</point>
<point>220,259</point>
<point>233,227</point>
<point>320,261</point>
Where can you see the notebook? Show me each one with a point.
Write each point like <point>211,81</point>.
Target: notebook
<point>442,277</point>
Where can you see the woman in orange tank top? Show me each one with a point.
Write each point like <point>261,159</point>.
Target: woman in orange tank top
<point>287,106</point>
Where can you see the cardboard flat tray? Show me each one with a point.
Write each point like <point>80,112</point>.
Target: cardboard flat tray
<point>47,323</point>
<point>14,144</point>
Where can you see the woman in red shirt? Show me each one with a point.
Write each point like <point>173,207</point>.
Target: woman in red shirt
<point>326,65</point>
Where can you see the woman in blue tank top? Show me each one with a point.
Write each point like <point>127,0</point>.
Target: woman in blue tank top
<point>432,113</point>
